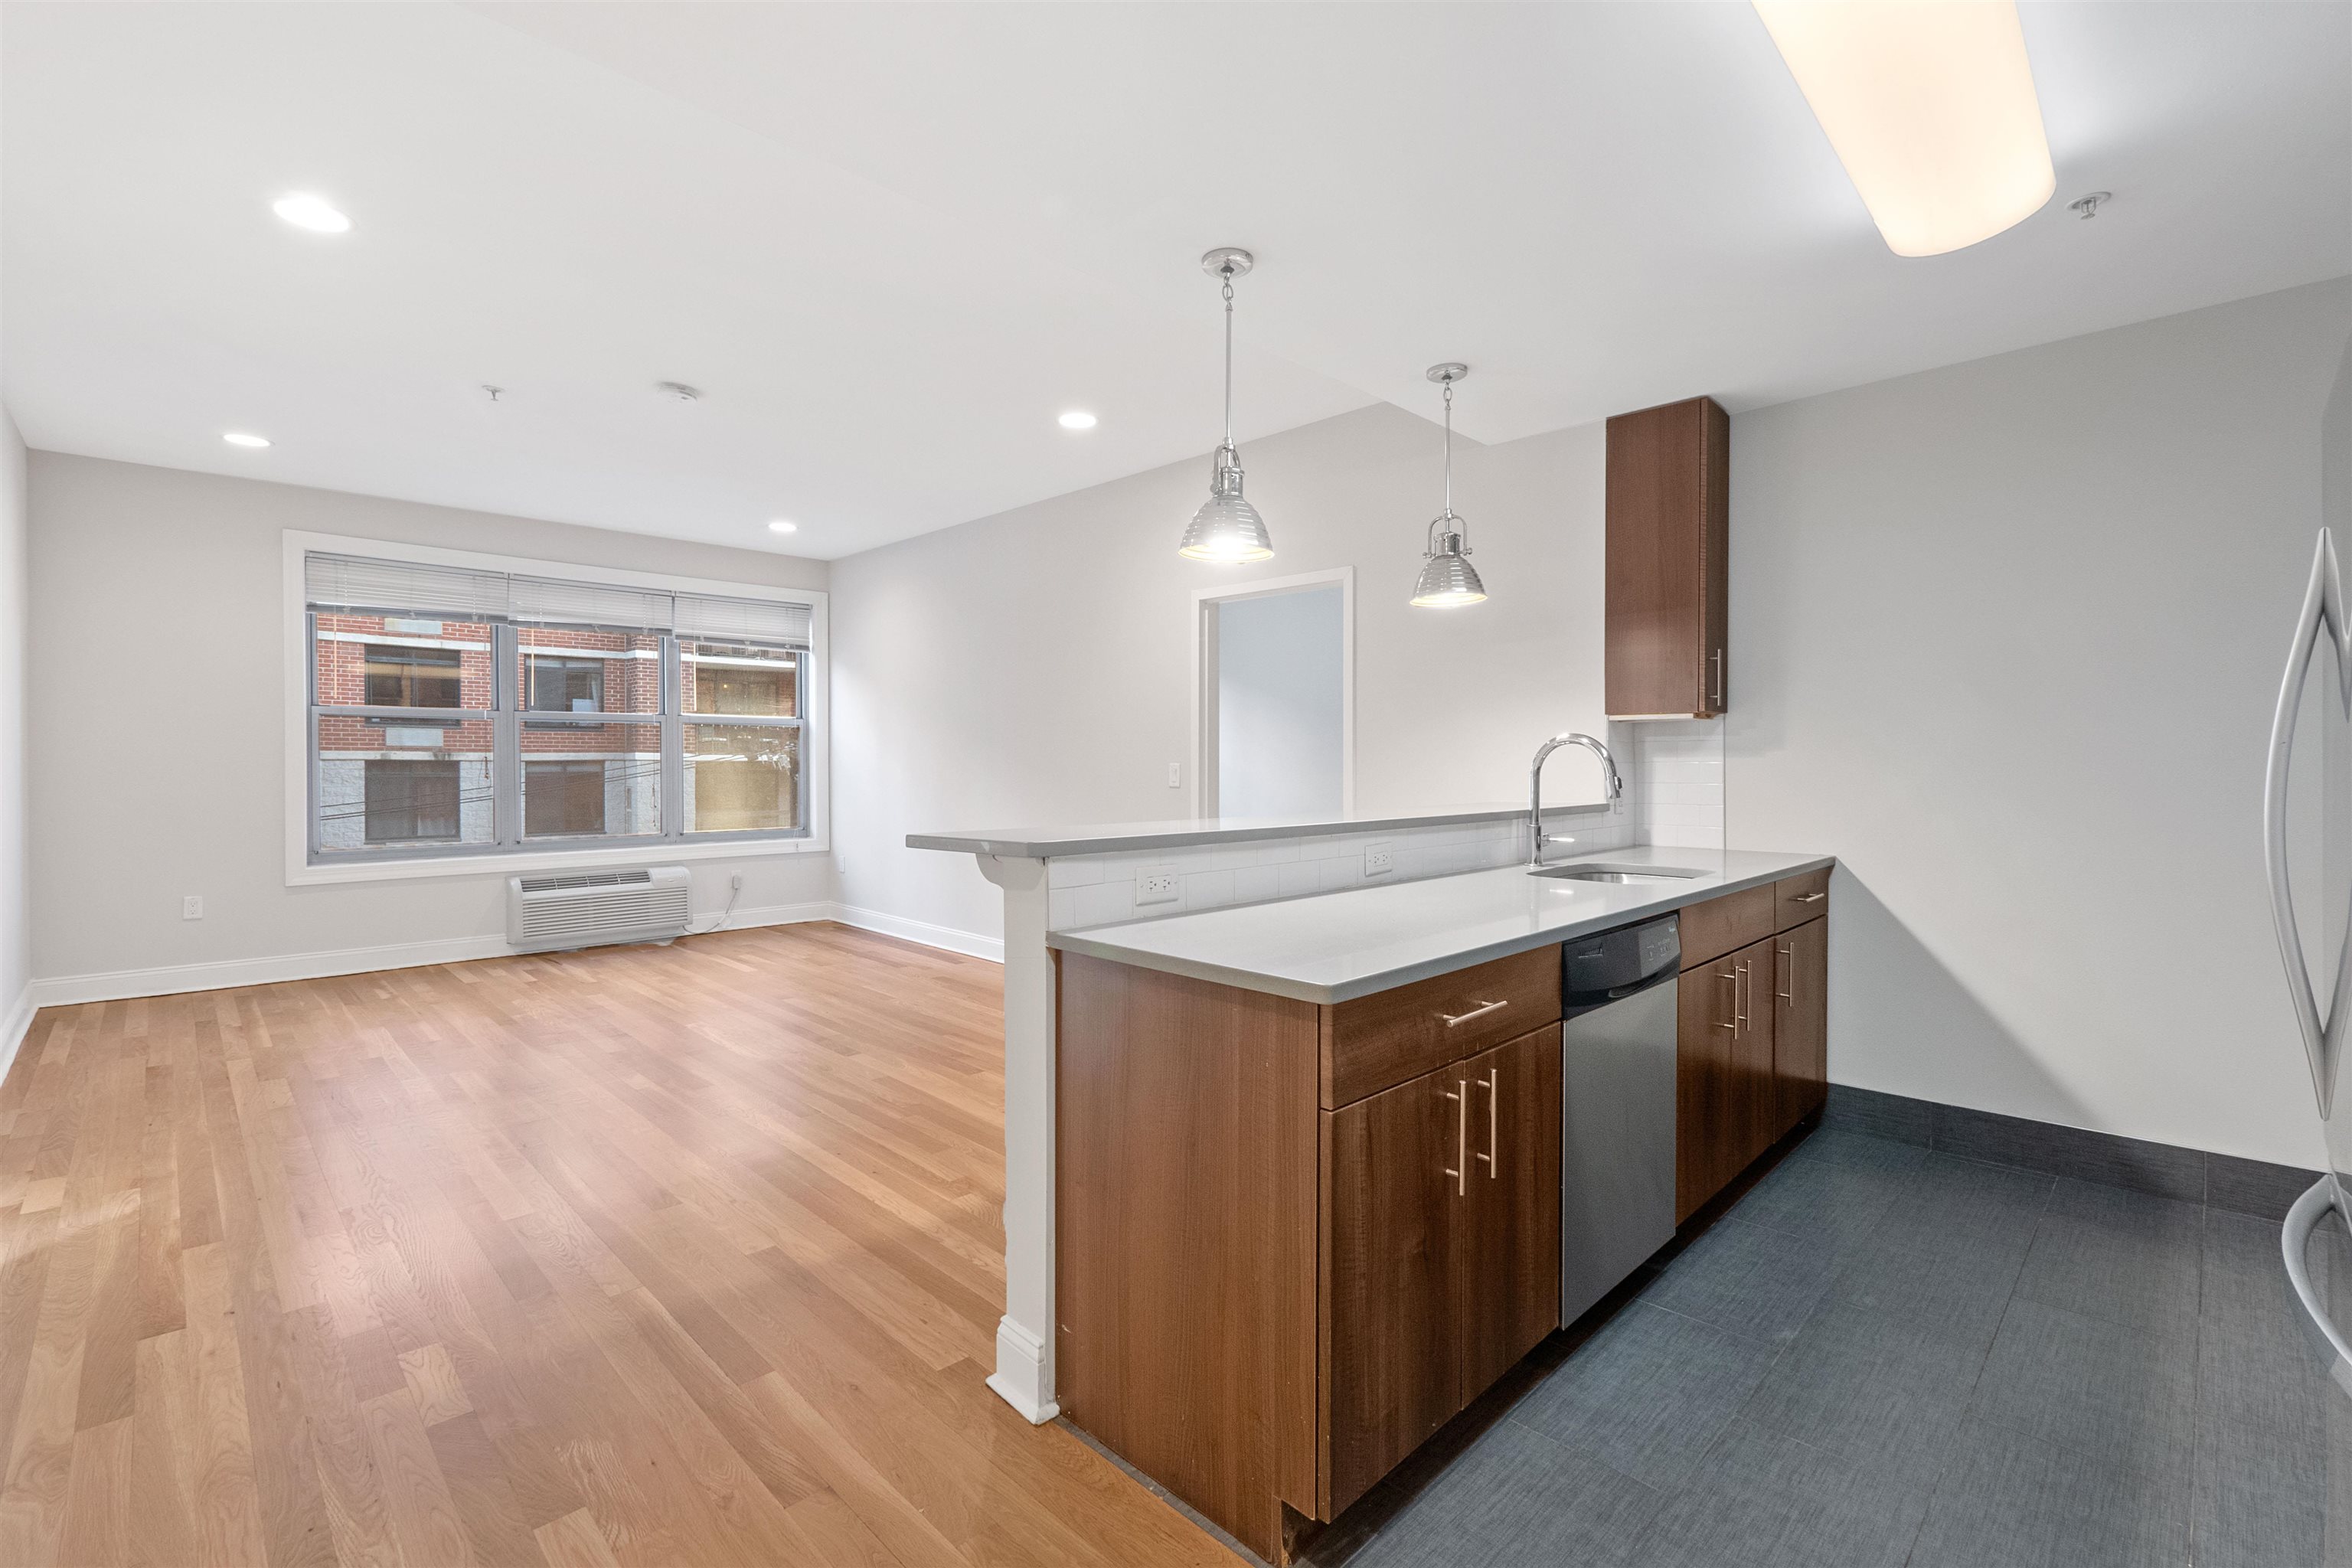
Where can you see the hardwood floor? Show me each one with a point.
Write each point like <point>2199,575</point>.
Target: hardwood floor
<point>685,1255</point>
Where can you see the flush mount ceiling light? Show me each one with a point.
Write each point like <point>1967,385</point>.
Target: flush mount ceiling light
<point>781,526</point>
<point>243,439</point>
<point>1078,419</point>
<point>1227,528</point>
<point>678,390</point>
<point>1447,578</point>
<point>304,210</point>
<point>1930,107</point>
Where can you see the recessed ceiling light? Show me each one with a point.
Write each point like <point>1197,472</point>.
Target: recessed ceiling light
<point>1931,109</point>
<point>241,438</point>
<point>780,526</point>
<point>304,210</point>
<point>1078,419</point>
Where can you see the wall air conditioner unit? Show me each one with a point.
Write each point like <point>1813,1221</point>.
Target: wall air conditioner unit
<point>583,909</point>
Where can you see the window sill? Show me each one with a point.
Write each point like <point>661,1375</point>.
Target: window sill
<point>303,875</point>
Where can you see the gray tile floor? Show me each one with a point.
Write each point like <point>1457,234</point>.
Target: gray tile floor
<point>1885,1355</point>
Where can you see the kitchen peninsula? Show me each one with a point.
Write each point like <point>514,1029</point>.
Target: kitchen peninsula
<point>1224,1147</point>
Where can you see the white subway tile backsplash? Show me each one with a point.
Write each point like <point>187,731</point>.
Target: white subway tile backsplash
<point>1208,890</point>
<point>1101,890</point>
<point>1296,876</point>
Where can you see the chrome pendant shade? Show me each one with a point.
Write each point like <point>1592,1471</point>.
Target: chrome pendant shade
<point>1447,578</point>
<point>1227,528</point>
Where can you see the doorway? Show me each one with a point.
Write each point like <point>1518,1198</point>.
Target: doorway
<point>1276,698</point>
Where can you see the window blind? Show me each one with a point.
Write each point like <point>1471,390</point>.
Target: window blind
<point>742,620</point>
<point>588,604</point>
<point>402,588</point>
<point>410,588</point>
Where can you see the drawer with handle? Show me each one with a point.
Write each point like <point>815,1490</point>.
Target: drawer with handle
<point>1378,1041</point>
<point>1796,900</point>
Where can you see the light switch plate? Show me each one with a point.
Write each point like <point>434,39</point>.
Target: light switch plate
<point>1157,885</point>
<point>1378,858</point>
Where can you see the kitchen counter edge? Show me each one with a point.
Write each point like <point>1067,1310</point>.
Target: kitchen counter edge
<point>1090,944</point>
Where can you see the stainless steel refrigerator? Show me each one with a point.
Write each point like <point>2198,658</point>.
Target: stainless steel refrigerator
<point>2307,849</point>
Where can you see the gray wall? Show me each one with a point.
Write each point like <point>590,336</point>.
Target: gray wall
<point>2006,638</point>
<point>1035,667</point>
<point>158,684</point>
<point>16,936</point>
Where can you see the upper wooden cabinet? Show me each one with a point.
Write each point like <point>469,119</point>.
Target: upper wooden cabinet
<point>1669,532</point>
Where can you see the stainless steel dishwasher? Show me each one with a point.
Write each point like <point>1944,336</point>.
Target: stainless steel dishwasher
<point>1617,1134</point>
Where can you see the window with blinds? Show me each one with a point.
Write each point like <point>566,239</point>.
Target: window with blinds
<point>460,710</point>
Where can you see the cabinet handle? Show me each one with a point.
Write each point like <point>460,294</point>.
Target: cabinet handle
<point>1719,677</point>
<point>1807,897</point>
<point>1480,1011</point>
<point>1731,974</point>
<point>1740,997</point>
<point>1460,1171</point>
<point>1492,1083</point>
<point>1790,995</point>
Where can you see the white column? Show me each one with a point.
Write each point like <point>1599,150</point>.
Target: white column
<point>1024,1335</point>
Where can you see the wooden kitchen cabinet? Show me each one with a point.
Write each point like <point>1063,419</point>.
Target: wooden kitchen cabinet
<point>1271,1286</point>
<point>1800,1023</point>
<point>1511,1271</point>
<point>1442,1268</point>
<point>1726,1100</point>
<point>1668,530</point>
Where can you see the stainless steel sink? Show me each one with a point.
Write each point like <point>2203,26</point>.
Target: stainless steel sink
<point>1599,871</point>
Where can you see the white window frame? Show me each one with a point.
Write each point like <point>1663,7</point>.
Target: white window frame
<point>816,728</point>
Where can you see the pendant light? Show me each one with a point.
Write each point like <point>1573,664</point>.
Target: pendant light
<point>1447,578</point>
<point>1227,528</point>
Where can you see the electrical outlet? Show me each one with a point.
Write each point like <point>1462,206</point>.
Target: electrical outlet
<point>1157,885</point>
<point>1175,776</point>
<point>192,907</point>
<point>735,882</point>
<point>1379,858</point>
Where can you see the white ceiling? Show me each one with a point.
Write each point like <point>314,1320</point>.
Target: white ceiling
<point>892,242</point>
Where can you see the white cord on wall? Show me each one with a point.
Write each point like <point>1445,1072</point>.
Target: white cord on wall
<point>735,891</point>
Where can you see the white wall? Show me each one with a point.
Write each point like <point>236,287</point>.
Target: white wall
<point>1281,715</point>
<point>1037,667</point>
<point>157,658</point>
<point>16,935</point>
<point>2006,638</point>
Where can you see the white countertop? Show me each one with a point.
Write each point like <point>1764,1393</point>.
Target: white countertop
<point>1121,837</point>
<point>1332,947</point>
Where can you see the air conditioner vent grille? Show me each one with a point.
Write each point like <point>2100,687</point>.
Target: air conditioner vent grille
<point>583,909</point>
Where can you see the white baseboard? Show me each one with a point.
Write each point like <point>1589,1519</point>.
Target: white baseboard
<point>13,1027</point>
<point>172,980</point>
<point>970,943</point>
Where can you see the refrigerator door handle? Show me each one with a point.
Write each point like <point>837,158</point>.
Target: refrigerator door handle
<point>2322,621</point>
<point>2319,1324</point>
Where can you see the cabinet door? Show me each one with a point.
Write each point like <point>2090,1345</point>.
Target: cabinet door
<point>1707,1017</point>
<point>1398,1170</point>
<point>1668,509</point>
<point>1801,1060</point>
<point>1510,1279</point>
<point>1751,1122</point>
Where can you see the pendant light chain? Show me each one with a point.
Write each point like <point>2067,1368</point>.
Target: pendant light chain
<point>1228,271</point>
<point>1449,445</point>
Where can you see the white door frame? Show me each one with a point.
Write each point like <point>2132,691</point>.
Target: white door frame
<point>1204,794</point>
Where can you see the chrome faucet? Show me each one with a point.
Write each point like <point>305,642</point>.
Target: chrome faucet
<point>1537,838</point>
